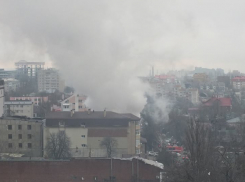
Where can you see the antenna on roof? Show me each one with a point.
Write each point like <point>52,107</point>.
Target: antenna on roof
<point>104,112</point>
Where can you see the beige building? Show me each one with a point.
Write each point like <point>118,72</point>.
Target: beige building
<point>49,80</point>
<point>87,130</point>
<point>22,136</point>
<point>74,102</point>
<point>19,108</point>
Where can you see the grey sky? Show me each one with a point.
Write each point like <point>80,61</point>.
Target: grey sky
<point>100,45</point>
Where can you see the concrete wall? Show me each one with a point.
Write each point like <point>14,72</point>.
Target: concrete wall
<point>78,137</point>
<point>87,170</point>
<point>36,137</point>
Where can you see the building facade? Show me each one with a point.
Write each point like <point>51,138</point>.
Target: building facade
<point>238,82</point>
<point>74,102</point>
<point>29,69</point>
<point>49,80</point>
<point>87,130</point>
<point>19,108</point>
<point>36,100</point>
<point>11,84</point>
<point>1,98</point>
<point>5,74</point>
<point>23,136</point>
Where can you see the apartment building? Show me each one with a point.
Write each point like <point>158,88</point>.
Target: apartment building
<point>36,100</point>
<point>5,74</point>
<point>238,82</point>
<point>74,102</point>
<point>86,130</point>
<point>29,69</point>
<point>1,98</point>
<point>200,77</point>
<point>11,84</point>
<point>22,136</point>
<point>19,108</point>
<point>49,80</point>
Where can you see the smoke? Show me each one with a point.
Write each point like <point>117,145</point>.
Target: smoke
<point>101,47</point>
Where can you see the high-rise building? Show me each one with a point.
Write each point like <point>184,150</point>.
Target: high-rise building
<point>29,69</point>
<point>49,80</point>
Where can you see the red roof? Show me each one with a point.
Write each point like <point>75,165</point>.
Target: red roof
<point>224,102</point>
<point>239,79</point>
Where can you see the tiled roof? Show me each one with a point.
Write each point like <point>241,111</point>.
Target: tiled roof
<point>93,115</point>
<point>225,102</point>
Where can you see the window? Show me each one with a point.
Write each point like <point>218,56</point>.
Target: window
<point>29,145</point>
<point>9,127</point>
<point>9,136</point>
<point>10,145</point>
<point>20,136</point>
<point>29,136</point>
<point>62,123</point>
<point>83,145</point>
<point>80,107</point>
<point>137,143</point>
<point>83,136</point>
<point>137,132</point>
<point>20,145</point>
<point>29,127</point>
<point>19,127</point>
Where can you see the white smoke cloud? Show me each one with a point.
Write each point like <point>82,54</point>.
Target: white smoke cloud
<point>101,47</point>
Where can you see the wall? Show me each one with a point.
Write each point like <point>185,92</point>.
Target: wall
<point>78,170</point>
<point>75,135</point>
<point>35,140</point>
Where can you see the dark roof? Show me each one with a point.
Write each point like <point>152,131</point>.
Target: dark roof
<point>94,115</point>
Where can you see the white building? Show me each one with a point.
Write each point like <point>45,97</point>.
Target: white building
<point>74,102</point>
<point>11,84</point>
<point>49,80</point>
<point>19,108</point>
<point>1,98</point>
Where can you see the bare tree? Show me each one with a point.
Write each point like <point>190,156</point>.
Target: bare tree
<point>110,144</point>
<point>58,145</point>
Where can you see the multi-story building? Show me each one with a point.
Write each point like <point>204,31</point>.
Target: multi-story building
<point>5,74</point>
<point>1,98</point>
<point>36,100</point>
<point>74,102</point>
<point>200,77</point>
<point>49,80</point>
<point>19,108</point>
<point>87,130</point>
<point>193,95</point>
<point>23,136</point>
<point>238,82</point>
<point>11,84</point>
<point>29,69</point>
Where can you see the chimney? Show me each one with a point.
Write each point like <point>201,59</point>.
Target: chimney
<point>104,113</point>
<point>72,112</point>
<point>89,111</point>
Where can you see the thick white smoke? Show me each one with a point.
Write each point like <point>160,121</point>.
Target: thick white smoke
<point>101,47</point>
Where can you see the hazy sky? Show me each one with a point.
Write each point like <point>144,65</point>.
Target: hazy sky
<point>100,45</point>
